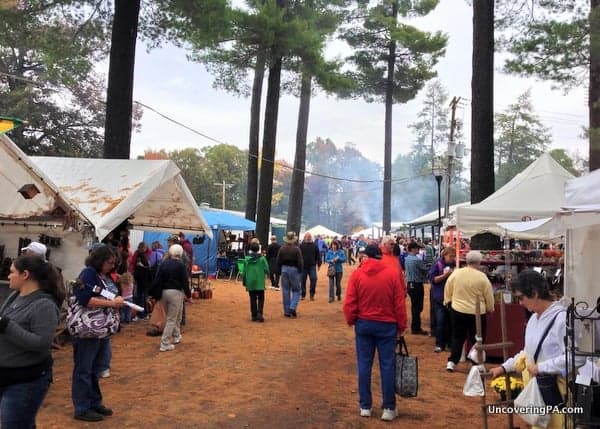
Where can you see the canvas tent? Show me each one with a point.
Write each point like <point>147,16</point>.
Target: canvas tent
<point>40,210</point>
<point>322,231</point>
<point>578,221</point>
<point>150,194</point>
<point>205,253</point>
<point>536,192</point>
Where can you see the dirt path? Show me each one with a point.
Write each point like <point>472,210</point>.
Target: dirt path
<point>229,372</point>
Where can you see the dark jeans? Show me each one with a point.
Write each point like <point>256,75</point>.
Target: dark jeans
<point>337,282</point>
<point>140,298</point>
<point>19,403</point>
<point>274,277</point>
<point>417,295</point>
<point>88,356</point>
<point>442,323</point>
<point>311,273</point>
<point>463,328</point>
<point>381,336</point>
<point>257,302</point>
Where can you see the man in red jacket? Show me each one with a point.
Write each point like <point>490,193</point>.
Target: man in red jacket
<point>375,305</point>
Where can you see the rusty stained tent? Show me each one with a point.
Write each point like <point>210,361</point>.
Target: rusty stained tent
<point>150,194</point>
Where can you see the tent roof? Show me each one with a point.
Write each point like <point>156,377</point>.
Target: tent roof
<point>150,194</point>
<point>536,192</point>
<point>16,170</point>
<point>322,231</point>
<point>431,218</point>
<point>225,219</point>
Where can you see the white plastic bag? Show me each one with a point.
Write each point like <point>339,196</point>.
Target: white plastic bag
<point>474,357</point>
<point>474,384</point>
<point>530,406</point>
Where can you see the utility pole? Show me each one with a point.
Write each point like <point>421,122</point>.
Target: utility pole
<point>451,152</point>
<point>224,186</point>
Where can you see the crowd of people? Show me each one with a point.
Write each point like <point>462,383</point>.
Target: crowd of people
<point>388,271</point>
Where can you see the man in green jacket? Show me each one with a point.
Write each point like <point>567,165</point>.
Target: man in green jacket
<point>256,268</point>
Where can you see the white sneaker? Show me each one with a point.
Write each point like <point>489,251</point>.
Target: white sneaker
<point>364,412</point>
<point>389,415</point>
<point>104,374</point>
<point>167,348</point>
<point>450,366</point>
<point>177,340</point>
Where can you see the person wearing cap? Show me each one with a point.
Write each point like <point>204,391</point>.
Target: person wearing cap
<point>291,263</point>
<point>35,249</point>
<point>274,273</point>
<point>336,256</point>
<point>464,288</point>
<point>375,305</point>
<point>416,275</point>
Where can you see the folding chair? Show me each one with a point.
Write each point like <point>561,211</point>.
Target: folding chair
<point>240,269</point>
<point>224,267</point>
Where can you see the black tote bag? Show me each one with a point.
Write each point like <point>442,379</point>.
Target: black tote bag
<point>407,371</point>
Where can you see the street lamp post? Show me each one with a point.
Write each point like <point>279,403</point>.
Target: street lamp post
<point>438,173</point>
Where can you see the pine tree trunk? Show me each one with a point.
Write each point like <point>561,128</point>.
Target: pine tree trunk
<point>594,85</point>
<point>294,217</point>
<point>482,96</point>
<point>265,192</point>
<point>482,110</point>
<point>252,186</point>
<point>119,95</point>
<point>387,156</point>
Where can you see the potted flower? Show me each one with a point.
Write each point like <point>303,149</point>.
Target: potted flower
<point>499,385</point>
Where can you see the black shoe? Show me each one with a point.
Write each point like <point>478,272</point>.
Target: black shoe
<point>293,313</point>
<point>312,297</point>
<point>330,300</point>
<point>303,297</point>
<point>89,416</point>
<point>339,298</point>
<point>287,314</point>
<point>101,409</point>
<point>419,332</point>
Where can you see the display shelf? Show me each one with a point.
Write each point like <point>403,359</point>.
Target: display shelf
<point>587,397</point>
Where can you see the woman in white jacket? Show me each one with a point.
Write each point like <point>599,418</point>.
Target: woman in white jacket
<point>532,290</point>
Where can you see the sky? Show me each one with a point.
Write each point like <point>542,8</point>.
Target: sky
<point>180,89</point>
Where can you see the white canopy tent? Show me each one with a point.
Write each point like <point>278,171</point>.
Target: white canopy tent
<point>536,192</point>
<point>322,231</point>
<point>150,194</point>
<point>578,221</point>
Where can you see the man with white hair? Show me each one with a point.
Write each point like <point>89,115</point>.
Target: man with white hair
<point>464,288</point>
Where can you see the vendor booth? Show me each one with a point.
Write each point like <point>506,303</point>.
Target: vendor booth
<point>323,232</point>
<point>229,236</point>
<point>69,203</point>
<point>537,192</point>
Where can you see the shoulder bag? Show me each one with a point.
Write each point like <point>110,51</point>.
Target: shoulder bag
<point>331,270</point>
<point>547,383</point>
<point>90,322</point>
<point>407,371</point>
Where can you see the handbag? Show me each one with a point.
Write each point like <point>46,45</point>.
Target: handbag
<point>407,371</point>
<point>547,383</point>
<point>331,270</point>
<point>90,322</point>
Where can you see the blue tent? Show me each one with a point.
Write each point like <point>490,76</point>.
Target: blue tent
<point>205,253</point>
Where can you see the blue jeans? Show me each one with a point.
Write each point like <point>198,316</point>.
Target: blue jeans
<point>290,288</point>
<point>311,273</point>
<point>105,359</point>
<point>89,354</point>
<point>442,324</point>
<point>20,403</point>
<point>337,282</point>
<point>371,335</point>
